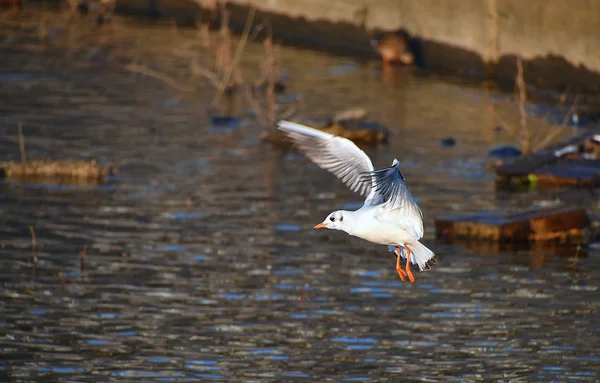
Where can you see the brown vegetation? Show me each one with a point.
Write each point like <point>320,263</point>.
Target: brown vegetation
<point>227,77</point>
<point>65,169</point>
<point>78,171</point>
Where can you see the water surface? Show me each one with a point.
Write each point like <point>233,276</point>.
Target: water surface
<point>201,262</point>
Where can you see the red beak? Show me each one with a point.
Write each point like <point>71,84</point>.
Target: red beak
<point>319,226</point>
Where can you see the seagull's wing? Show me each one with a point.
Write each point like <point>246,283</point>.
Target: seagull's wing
<point>335,154</point>
<point>396,202</point>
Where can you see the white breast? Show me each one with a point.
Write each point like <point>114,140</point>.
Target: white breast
<point>372,229</point>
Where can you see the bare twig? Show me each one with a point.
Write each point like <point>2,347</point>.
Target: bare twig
<point>576,258</point>
<point>557,130</point>
<point>257,30</point>
<point>270,68</point>
<point>82,255</point>
<point>34,248</point>
<point>160,76</point>
<point>61,275</point>
<point>224,55</point>
<point>571,110</point>
<point>204,32</point>
<point>288,113</point>
<point>525,134</point>
<point>236,57</point>
<point>492,36</point>
<point>198,70</point>
<point>22,146</point>
<point>255,105</point>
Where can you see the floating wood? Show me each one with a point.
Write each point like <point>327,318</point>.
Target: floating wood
<point>538,250</point>
<point>359,131</point>
<point>574,162</point>
<point>77,171</point>
<point>356,130</point>
<point>564,225</point>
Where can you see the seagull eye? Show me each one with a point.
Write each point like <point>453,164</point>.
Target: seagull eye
<point>332,219</point>
<point>342,219</point>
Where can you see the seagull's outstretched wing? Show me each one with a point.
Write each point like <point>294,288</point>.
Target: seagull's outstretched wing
<point>384,187</point>
<point>390,190</point>
<point>335,154</point>
<point>390,185</point>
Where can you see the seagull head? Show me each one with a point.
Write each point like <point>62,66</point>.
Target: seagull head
<point>333,221</point>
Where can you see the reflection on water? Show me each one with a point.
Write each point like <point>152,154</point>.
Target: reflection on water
<point>201,262</point>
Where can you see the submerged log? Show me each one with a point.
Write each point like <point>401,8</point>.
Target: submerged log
<point>75,170</point>
<point>538,250</point>
<point>575,162</point>
<point>564,225</point>
<point>567,172</point>
<point>359,131</point>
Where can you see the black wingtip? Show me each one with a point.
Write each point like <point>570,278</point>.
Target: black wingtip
<point>432,261</point>
<point>401,175</point>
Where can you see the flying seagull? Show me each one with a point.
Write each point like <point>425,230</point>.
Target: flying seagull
<point>389,216</point>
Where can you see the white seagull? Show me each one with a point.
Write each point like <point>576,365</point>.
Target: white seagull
<point>389,216</point>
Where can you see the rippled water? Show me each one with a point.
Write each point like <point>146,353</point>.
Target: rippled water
<point>201,262</point>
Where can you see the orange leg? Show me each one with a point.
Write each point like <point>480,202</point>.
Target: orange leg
<point>408,272</point>
<point>401,272</point>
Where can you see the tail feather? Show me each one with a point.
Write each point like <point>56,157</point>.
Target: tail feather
<point>420,255</point>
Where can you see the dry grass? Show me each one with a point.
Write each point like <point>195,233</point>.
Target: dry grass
<point>534,134</point>
<point>88,171</point>
<point>34,248</point>
<point>101,9</point>
<point>22,145</point>
<point>224,60</point>
<point>82,255</point>
<point>493,37</point>
<point>160,76</point>
<point>66,169</point>
<point>524,134</point>
<point>227,77</point>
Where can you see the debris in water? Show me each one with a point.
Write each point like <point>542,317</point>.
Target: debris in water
<point>82,255</point>
<point>34,248</point>
<point>61,275</point>
<point>350,114</point>
<point>394,47</point>
<point>505,152</point>
<point>69,170</point>
<point>357,130</point>
<point>574,162</point>
<point>447,142</point>
<point>225,121</point>
<point>564,225</point>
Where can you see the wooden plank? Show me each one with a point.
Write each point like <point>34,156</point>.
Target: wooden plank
<point>567,172</point>
<point>563,224</point>
<point>537,250</point>
<point>526,165</point>
<point>545,164</point>
<point>66,170</point>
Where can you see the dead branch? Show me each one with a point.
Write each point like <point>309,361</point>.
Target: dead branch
<point>82,255</point>
<point>34,249</point>
<point>160,76</point>
<point>22,145</point>
<point>236,57</point>
<point>525,134</point>
<point>556,131</point>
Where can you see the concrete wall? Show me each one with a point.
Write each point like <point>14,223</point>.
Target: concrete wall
<point>530,28</point>
<point>559,39</point>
